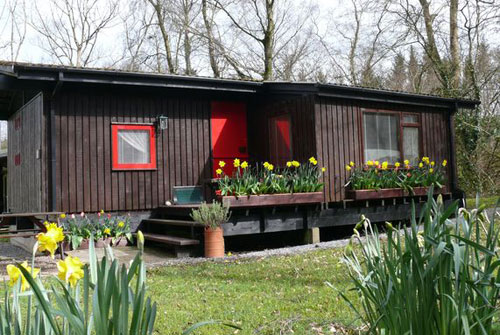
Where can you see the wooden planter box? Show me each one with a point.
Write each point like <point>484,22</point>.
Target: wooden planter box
<point>389,193</point>
<point>273,199</point>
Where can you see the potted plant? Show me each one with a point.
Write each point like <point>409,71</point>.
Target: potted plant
<point>212,217</point>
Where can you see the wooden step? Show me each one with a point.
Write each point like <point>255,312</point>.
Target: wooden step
<point>182,223</point>
<point>171,240</point>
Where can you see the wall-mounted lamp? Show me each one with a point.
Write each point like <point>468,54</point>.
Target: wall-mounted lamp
<point>161,122</point>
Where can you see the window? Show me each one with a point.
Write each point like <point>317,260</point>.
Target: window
<point>381,137</point>
<point>279,140</point>
<point>133,147</point>
<point>391,137</point>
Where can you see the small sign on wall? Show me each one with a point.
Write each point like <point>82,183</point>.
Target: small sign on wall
<point>17,160</point>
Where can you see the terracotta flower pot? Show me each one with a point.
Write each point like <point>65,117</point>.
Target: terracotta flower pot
<point>214,242</point>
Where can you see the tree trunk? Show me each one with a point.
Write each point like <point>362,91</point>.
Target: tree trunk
<point>210,38</point>
<point>268,41</point>
<point>166,38</point>
<point>454,46</point>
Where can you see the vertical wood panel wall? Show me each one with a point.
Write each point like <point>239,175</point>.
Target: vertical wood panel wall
<point>26,159</point>
<point>85,180</point>
<point>339,138</point>
<point>301,111</point>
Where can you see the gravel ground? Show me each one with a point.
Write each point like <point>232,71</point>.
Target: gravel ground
<point>10,254</point>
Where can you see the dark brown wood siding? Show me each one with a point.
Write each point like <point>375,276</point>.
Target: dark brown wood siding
<point>301,111</point>
<point>339,138</point>
<point>84,176</point>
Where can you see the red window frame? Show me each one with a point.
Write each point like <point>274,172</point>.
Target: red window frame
<point>152,147</point>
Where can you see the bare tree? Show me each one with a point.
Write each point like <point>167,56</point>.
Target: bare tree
<point>70,29</point>
<point>13,32</point>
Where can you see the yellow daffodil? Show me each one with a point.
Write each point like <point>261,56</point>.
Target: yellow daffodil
<point>323,169</point>
<point>121,224</point>
<point>351,163</point>
<point>369,163</point>
<point>313,161</point>
<point>62,216</point>
<point>385,165</point>
<point>425,160</point>
<point>433,163</point>
<point>348,168</point>
<point>421,165</point>
<point>397,164</point>
<point>407,162</point>
<point>270,167</point>
<point>236,163</point>
<point>295,163</point>
<point>48,240</point>
<point>377,163</point>
<point>289,164</point>
<point>244,165</point>
<point>222,164</point>
<point>444,163</point>
<point>14,275</point>
<point>107,231</point>
<point>70,270</point>
<point>266,164</point>
<point>431,170</point>
<point>218,172</point>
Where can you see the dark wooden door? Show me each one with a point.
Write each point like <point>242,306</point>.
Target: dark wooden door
<point>24,161</point>
<point>229,134</point>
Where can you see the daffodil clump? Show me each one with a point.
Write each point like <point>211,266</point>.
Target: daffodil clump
<point>374,175</point>
<point>102,226</point>
<point>266,178</point>
<point>102,297</point>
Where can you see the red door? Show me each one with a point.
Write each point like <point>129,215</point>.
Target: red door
<point>229,134</point>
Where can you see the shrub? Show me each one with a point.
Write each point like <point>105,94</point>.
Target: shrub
<point>441,280</point>
<point>212,216</point>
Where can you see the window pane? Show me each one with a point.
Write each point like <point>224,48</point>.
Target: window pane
<point>133,146</point>
<point>381,137</point>
<point>280,141</point>
<point>411,118</point>
<point>410,144</point>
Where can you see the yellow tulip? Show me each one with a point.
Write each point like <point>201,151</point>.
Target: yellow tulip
<point>70,270</point>
<point>369,163</point>
<point>407,162</point>
<point>244,165</point>
<point>62,216</point>
<point>377,163</point>
<point>222,164</point>
<point>14,275</point>
<point>236,163</point>
<point>218,172</point>
<point>445,162</point>
<point>121,224</point>
<point>107,231</point>
<point>48,240</point>
<point>323,169</point>
<point>385,165</point>
<point>421,165</point>
<point>433,163</point>
<point>102,211</point>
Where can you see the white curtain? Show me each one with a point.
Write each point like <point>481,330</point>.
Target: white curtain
<point>133,146</point>
<point>381,137</point>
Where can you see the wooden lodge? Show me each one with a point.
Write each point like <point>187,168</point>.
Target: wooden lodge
<point>89,139</point>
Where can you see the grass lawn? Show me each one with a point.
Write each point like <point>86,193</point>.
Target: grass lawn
<point>489,202</point>
<point>278,295</point>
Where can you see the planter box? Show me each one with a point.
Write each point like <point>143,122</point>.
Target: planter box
<point>273,199</point>
<point>389,193</point>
